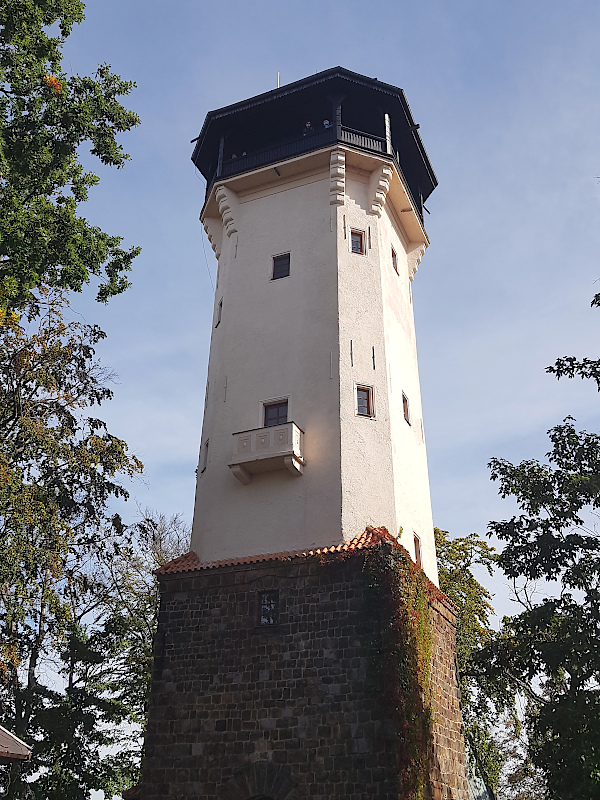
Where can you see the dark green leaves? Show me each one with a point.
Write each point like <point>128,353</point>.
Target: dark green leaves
<point>45,116</point>
<point>550,653</point>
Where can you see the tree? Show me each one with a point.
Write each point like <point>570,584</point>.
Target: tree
<point>44,118</point>
<point>550,652</point>
<point>456,560</point>
<point>58,470</point>
<point>59,467</point>
<point>132,601</point>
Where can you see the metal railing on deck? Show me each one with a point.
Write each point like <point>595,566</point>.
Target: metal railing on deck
<point>299,145</point>
<point>363,140</point>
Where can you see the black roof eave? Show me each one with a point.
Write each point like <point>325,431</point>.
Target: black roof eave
<point>313,80</point>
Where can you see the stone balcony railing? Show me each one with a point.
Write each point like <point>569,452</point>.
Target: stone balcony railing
<point>267,449</point>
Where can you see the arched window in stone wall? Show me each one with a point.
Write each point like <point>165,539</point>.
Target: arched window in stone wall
<point>260,780</point>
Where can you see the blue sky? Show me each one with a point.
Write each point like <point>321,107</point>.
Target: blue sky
<point>507,98</point>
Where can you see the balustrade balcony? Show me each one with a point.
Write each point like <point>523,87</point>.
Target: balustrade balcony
<point>267,449</point>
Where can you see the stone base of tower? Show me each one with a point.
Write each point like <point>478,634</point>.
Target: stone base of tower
<point>266,684</point>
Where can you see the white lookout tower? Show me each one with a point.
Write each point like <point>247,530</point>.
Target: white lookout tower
<point>312,422</point>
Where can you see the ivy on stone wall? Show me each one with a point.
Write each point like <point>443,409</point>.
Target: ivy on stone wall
<point>401,595</point>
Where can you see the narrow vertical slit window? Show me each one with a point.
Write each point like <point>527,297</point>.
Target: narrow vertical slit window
<point>219,313</point>
<point>276,413</point>
<point>418,558</point>
<point>281,266</point>
<point>395,261</point>
<point>351,354</point>
<point>357,242</point>
<point>364,401</point>
<point>204,456</point>
<point>373,356</point>
<point>268,608</point>
<point>405,408</point>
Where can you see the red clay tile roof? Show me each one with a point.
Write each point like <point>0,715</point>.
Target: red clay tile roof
<point>190,561</point>
<point>11,747</point>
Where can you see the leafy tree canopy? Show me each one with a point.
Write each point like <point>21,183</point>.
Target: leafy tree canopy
<point>45,116</point>
<point>59,468</point>
<point>550,652</point>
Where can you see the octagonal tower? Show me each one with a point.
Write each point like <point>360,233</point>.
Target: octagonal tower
<point>313,425</point>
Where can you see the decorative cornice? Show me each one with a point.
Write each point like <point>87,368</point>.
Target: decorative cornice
<point>228,205</point>
<point>214,233</point>
<point>337,178</point>
<point>380,186</point>
<point>414,254</point>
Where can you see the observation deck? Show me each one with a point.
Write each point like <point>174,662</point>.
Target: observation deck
<point>332,107</point>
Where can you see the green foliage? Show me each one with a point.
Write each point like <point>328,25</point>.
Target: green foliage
<point>132,601</point>
<point>402,595</point>
<point>456,560</point>
<point>62,681</point>
<point>44,118</point>
<point>550,651</point>
<point>58,470</point>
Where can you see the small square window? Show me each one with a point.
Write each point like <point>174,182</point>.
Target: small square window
<point>268,608</point>
<point>357,242</point>
<point>276,413</point>
<point>418,559</point>
<point>405,408</point>
<point>281,266</point>
<point>219,313</point>
<point>395,261</point>
<point>364,401</point>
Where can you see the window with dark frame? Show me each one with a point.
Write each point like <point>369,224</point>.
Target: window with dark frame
<point>357,242</point>
<point>418,560</point>
<point>281,266</point>
<point>219,313</point>
<point>405,408</point>
<point>395,261</point>
<point>268,608</point>
<point>276,413</point>
<point>364,401</point>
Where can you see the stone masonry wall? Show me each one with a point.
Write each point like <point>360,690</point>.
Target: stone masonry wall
<point>240,711</point>
<point>448,760</point>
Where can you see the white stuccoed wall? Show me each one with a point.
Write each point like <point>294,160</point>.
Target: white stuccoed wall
<point>291,338</point>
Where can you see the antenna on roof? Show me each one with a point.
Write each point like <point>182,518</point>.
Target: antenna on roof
<point>278,80</point>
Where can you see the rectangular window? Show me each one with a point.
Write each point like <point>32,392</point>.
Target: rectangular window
<point>276,413</point>
<point>357,242</point>
<point>268,608</point>
<point>219,313</point>
<point>418,561</point>
<point>395,261</point>
<point>364,401</point>
<point>281,266</point>
<point>405,408</point>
